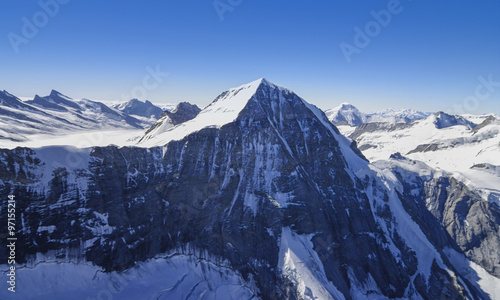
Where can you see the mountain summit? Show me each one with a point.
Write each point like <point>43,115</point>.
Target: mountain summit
<point>257,197</point>
<point>260,99</point>
<point>346,114</point>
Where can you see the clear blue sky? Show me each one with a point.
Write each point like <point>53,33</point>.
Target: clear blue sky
<point>429,56</point>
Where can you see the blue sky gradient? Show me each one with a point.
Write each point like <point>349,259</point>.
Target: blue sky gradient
<point>432,55</point>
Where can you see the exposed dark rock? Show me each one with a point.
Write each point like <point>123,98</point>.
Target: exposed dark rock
<point>183,112</point>
<point>232,191</point>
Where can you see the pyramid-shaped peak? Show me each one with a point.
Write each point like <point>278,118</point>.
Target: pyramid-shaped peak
<point>57,94</point>
<point>7,94</point>
<point>7,99</point>
<point>254,85</point>
<point>260,81</point>
<point>61,99</point>
<point>37,97</point>
<point>225,108</point>
<point>265,81</point>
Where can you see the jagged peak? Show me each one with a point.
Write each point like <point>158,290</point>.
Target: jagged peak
<point>185,105</point>
<point>54,93</point>
<point>58,94</point>
<point>442,120</point>
<point>37,97</point>
<point>441,114</point>
<point>135,100</point>
<point>346,104</point>
<point>8,99</point>
<point>8,94</point>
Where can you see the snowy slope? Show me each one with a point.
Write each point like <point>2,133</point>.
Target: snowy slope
<point>57,115</point>
<point>223,110</point>
<point>412,173</point>
<point>173,276</point>
<point>450,143</point>
<point>79,139</point>
<point>301,265</point>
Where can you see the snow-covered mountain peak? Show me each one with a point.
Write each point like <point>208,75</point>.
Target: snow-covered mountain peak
<point>348,114</point>
<point>266,82</point>
<point>444,120</point>
<point>248,90</point>
<point>135,100</point>
<point>10,100</point>
<point>345,114</point>
<point>345,105</point>
<point>7,94</point>
<point>223,110</point>
<point>259,104</point>
<point>132,103</point>
<point>230,103</point>
<point>57,94</point>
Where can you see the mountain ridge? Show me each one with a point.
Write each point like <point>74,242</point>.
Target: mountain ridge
<point>348,114</point>
<point>264,183</point>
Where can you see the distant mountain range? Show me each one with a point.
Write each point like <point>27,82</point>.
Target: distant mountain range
<point>453,143</point>
<point>348,114</point>
<point>57,114</point>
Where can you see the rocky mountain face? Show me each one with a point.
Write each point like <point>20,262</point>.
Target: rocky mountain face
<point>444,120</point>
<point>183,112</point>
<point>276,195</point>
<point>472,223</point>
